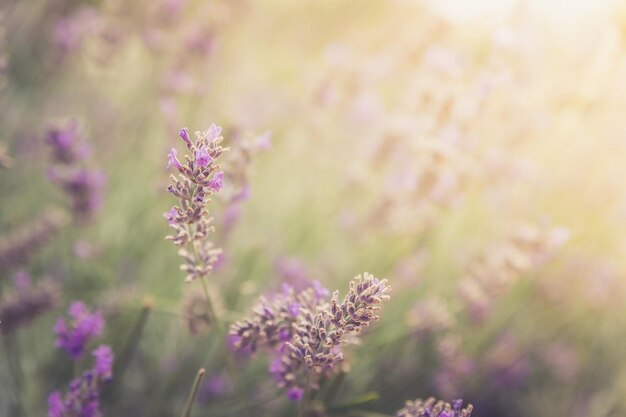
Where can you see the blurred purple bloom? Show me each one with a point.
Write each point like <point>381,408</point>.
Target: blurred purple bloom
<point>104,362</point>
<point>171,215</point>
<point>83,397</point>
<point>214,386</point>
<point>213,132</point>
<point>25,302</point>
<point>83,327</point>
<point>264,141</point>
<point>217,181</point>
<point>320,290</point>
<point>295,394</point>
<point>55,405</point>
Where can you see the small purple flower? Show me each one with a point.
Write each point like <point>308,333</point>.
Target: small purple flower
<point>284,335</point>
<point>171,215</point>
<point>321,291</point>
<point>294,309</point>
<point>295,394</point>
<point>104,362</point>
<point>55,405</point>
<point>84,326</point>
<point>173,160</point>
<point>217,181</point>
<point>184,134</point>
<point>213,132</point>
<point>203,158</point>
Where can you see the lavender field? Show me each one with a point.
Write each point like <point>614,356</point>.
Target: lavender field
<point>340,208</point>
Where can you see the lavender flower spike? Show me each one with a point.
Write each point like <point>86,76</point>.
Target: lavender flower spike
<point>83,397</point>
<point>433,408</point>
<point>305,331</point>
<point>199,177</point>
<point>84,326</point>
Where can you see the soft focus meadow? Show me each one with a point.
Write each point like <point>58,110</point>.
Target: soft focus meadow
<point>312,208</point>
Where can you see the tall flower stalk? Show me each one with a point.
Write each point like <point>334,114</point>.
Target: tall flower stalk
<point>199,176</point>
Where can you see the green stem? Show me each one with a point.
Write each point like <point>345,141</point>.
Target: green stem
<point>305,395</point>
<point>129,348</point>
<point>16,373</point>
<point>333,390</point>
<point>194,392</point>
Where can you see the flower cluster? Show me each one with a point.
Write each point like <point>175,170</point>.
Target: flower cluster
<point>491,274</point>
<point>71,171</point>
<point>83,397</point>
<point>305,331</point>
<point>84,325</point>
<point>433,408</point>
<point>26,302</point>
<point>199,177</point>
<point>272,320</point>
<point>17,247</point>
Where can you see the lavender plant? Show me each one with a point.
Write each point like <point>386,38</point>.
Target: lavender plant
<point>83,396</point>
<point>72,171</point>
<point>304,331</point>
<point>17,247</point>
<point>198,178</point>
<point>25,302</point>
<point>72,336</point>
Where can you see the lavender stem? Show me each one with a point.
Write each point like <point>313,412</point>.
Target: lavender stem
<point>194,392</point>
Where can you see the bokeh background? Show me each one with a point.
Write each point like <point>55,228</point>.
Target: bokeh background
<point>473,154</point>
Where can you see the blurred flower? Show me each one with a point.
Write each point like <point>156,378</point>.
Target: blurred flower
<point>430,316</point>
<point>83,397</point>
<point>83,326</point>
<point>17,247</point>
<point>213,387</point>
<point>561,359</point>
<point>71,170</point>
<point>195,314</point>
<point>25,302</point>
<point>433,408</point>
<point>491,274</point>
<point>507,362</point>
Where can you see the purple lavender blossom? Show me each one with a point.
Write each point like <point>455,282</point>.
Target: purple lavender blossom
<point>172,160</point>
<point>295,394</point>
<point>203,158</point>
<point>83,397</point>
<point>104,362</point>
<point>71,170</point>
<point>304,331</point>
<point>18,246</point>
<point>217,181</point>
<point>214,386</point>
<point>198,178</point>
<point>184,134</point>
<point>171,215</point>
<point>84,326</point>
<point>25,302</point>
